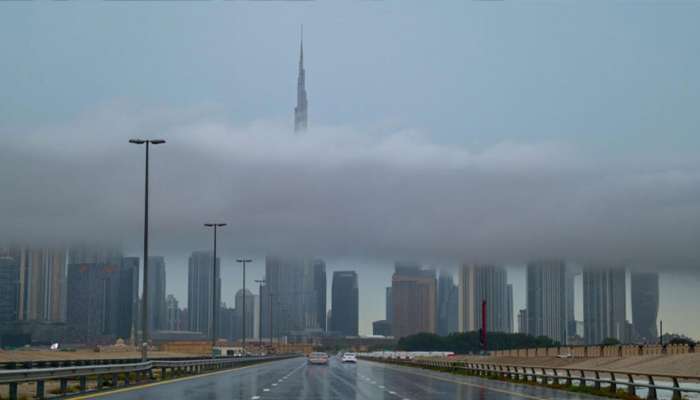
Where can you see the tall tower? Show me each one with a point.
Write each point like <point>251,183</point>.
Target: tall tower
<point>300,112</point>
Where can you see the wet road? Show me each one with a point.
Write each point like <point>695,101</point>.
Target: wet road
<point>294,379</point>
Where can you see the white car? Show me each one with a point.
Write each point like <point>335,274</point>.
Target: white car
<point>318,358</point>
<point>349,357</point>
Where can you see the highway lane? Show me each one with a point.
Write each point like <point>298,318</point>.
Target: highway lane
<point>294,379</point>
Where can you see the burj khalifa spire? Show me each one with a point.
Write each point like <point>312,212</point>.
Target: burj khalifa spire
<point>300,111</point>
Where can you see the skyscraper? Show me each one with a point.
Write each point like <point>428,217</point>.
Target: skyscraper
<point>42,284</point>
<point>645,305</point>
<point>604,304</point>
<point>156,293</point>
<point>509,308</point>
<point>388,305</point>
<point>570,303</point>
<point>546,299</point>
<point>345,303</point>
<point>300,111</point>
<point>297,288</point>
<point>476,284</point>
<point>101,299</point>
<point>172,314</point>
<point>414,300</point>
<point>9,289</point>
<point>448,298</point>
<point>128,298</point>
<point>522,321</point>
<point>249,318</point>
<point>199,291</point>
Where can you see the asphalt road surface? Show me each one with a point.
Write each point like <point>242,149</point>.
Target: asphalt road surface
<point>295,379</point>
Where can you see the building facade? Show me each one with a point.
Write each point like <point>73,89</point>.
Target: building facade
<point>448,304</point>
<point>9,289</point>
<point>645,305</point>
<point>345,303</point>
<point>478,283</point>
<point>604,304</point>
<point>546,299</point>
<point>200,291</point>
<point>414,300</point>
<point>294,296</point>
<point>156,293</point>
<point>381,328</point>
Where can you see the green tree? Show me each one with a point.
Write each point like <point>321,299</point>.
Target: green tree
<point>611,341</point>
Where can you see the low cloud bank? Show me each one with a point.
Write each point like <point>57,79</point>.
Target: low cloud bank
<point>340,192</point>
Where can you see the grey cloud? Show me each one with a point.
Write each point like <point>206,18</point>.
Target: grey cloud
<point>338,192</point>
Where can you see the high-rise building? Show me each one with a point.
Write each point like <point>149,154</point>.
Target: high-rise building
<point>645,305</point>
<point>173,314</point>
<point>156,293</point>
<point>570,303</point>
<point>199,291</point>
<point>604,304</point>
<point>448,301</point>
<point>128,299</point>
<point>546,299</point>
<point>345,303</point>
<point>381,328</point>
<point>522,321</point>
<point>319,287</point>
<point>388,304</point>
<point>414,300</point>
<point>101,299</point>
<point>9,289</point>
<point>478,283</point>
<point>509,308</point>
<point>300,111</point>
<point>297,288</point>
<point>42,284</point>
<point>249,318</point>
<point>229,323</point>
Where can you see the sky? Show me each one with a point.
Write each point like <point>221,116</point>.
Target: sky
<point>465,132</point>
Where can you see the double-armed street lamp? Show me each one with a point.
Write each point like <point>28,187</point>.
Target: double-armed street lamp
<point>144,299</point>
<point>244,261</point>
<point>215,306</point>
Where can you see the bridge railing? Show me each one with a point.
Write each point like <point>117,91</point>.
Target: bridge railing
<point>115,375</point>
<point>600,379</point>
<point>621,350</point>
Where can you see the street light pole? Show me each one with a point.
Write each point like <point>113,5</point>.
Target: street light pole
<point>243,261</point>
<point>144,296</point>
<point>215,306</point>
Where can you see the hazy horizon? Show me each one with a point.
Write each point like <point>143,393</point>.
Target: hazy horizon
<point>473,132</point>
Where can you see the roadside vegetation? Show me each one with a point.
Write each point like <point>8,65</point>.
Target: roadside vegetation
<point>470,342</point>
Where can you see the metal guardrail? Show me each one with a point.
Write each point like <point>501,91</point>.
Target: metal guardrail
<point>80,362</point>
<point>111,374</point>
<point>564,376</point>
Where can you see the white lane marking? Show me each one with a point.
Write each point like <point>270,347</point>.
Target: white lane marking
<point>266,390</point>
<point>255,398</point>
<point>392,392</point>
<point>381,387</point>
<point>274,384</point>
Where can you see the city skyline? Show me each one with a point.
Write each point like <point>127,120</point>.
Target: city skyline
<point>622,328</point>
<point>310,201</point>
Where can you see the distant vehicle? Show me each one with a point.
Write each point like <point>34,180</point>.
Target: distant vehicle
<point>318,358</point>
<point>54,346</point>
<point>567,355</point>
<point>349,358</point>
<point>222,351</point>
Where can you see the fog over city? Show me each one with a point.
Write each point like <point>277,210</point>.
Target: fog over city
<point>473,133</point>
<point>340,191</point>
